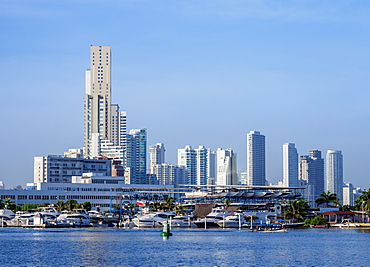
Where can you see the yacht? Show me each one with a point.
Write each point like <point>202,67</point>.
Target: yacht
<point>180,221</point>
<point>153,219</point>
<point>6,214</point>
<point>212,218</point>
<point>234,220</point>
<point>78,217</point>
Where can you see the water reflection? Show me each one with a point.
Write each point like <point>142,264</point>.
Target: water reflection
<point>92,247</point>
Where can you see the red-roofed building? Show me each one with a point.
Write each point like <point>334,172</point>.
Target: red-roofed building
<point>339,216</point>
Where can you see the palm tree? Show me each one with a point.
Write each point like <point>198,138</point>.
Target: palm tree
<point>179,208</point>
<point>70,204</point>
<point>296,210</point>
<point>327,198</point>
<point>227,203</point>
<point>59,205</point>
<point>168,202</point>
<point>363,201</point>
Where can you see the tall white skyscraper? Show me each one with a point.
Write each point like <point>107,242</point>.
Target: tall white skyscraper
<point>334,172</point>
<point>200,164</point>
<point>187,157</point>
<point>290,165</point>
<point>205,164</point>
<point>156,155</point>
<point>226,167</point>
<point>119,126</point>
<point>256,162</point>
<point>100,116</point>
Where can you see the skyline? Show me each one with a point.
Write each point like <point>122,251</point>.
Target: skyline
<point>294,71</point>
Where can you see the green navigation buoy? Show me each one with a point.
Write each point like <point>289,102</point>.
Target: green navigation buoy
<point>166,230</point>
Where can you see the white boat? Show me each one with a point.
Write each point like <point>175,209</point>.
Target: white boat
<point>78,217</point>
<point>21,218</point>
<point>180,221</point>
<point>152,219</point>
<point>49,212</point>
<point>212,218</point>
<point>346,223</point>
<point>6,214</point>
<point>235,220</point>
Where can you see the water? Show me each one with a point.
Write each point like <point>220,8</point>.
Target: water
<point>187,247</point>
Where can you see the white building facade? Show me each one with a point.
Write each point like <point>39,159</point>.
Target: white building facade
<point>256,159</point>
<point>226,167</point>
<point>290,165</point>
<point>334,173</point>
<point>157,154</point>
<point>102,120</point>
<point>59,169</point>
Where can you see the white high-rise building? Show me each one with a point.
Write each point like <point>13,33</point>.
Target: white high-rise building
<point>290,165</point>
<point>334,173</point>
<point>168,174</point>
<point>119,126</point>
<point>348,196</point>
<point>256,162</point>
<point>205,164</point>
<point>187,157</point>
<point>156,155</point>
<point>100,116</point>
<point>226,167</point>
<point>200,164</point>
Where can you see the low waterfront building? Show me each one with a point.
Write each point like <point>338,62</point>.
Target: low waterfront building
<point>60,169</point>
<point>101,191</point>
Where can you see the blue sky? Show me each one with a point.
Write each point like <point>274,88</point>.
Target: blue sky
<point>192,73</point>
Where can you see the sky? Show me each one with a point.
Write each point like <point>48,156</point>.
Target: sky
<point>192,73</point>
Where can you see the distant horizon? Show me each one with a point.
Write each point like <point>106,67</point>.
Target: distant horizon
<point>192,74</point>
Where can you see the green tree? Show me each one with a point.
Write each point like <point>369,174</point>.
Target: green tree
<point>179,209</point>
<point>2,205</point>
<point>9,204</point>
<point>27,207</point>
<point>168,203</point>
<point>71,204</point>
<point>327,198</point>
<point>296,210</point>
<point>46,204</point>
<point>155,206</point>
<point>87,205</point>
<point>60,205</point>
<point>317,220</point>
<point>227,203</point>
<point>363,202</point>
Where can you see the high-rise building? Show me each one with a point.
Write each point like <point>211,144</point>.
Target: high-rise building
<point>348,196</point>
<point>256,166</point>
<point>334,173</point>
<point>135,157</point>
<point>226,167</point>
<point>187,157</point>
<point>290,165</point>
<point>312,171</point>
<point>156,155</point>
<point>200,164</point>
<point>101,118</point>
<point>168,174</point>
<point>205,159</point>
<point>119,123</point>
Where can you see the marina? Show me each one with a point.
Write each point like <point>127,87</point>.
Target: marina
<point>186,247</point>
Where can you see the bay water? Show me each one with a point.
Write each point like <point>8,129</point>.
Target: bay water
<point>187,247</point>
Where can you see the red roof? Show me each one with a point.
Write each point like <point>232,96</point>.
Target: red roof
<point>337,212</point>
